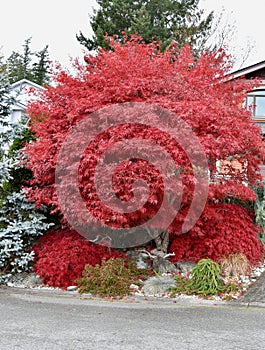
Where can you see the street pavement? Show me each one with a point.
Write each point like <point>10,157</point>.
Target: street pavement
<point>52,319</point>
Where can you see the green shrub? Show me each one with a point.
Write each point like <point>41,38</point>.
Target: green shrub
<point>21,224</point>
<point>205,281</point>
<point>259,209</point>
<point>111,278</point>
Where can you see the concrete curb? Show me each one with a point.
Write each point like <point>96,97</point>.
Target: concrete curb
<point>131,300</point>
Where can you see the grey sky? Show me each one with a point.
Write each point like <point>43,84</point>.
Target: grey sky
<point>56,22</point>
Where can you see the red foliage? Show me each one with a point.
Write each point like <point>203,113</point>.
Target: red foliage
<point>61,256</point>
<point>223,229</point>
<point>195,89</point>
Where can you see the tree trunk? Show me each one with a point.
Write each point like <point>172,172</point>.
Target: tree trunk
<point>162,241</point>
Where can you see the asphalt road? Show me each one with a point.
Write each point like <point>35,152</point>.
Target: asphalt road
<point>34,320</point>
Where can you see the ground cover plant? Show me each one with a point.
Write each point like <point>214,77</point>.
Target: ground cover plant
<point>205,281</point>
<point>111,278</point>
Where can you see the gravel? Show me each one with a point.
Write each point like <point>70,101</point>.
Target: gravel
<point>31,280</point>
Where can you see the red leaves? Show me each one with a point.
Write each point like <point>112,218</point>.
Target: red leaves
<point>194,89</point>
<point>223,229</point>
<point>62,255</point>
<point>230,190</point>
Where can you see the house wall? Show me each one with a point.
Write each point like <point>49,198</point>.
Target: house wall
<point>20,92</point>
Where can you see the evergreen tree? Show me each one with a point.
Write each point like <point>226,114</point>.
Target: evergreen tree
<point>33,66</point>
<point>2,64</point>
<point>6,101</point>
<point>170,20</point>
<point>40,68</point>
<point>20,222</point>
<point>26,58</point>
<point>18,65</point>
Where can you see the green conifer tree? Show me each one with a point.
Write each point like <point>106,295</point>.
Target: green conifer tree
<point>180,21</point>
<point>33,66</point>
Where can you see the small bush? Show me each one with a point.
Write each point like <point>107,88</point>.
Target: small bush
<point>222,230</point>
<point>21,224</point>
<point>111,278</point>
<point>234,266</point>
<point>205,281</point>
<point>61,256</point>
<point>259,209</point>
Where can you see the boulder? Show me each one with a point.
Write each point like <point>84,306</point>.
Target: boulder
<point>163,266</point>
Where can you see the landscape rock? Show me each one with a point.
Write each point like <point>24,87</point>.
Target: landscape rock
<point>139,257</point>
<point>163,266</point>
<point>158,285</point>
<point>71,288</point>
<point>185,267</point>
<point>25,280</point>
<point>157,252</point>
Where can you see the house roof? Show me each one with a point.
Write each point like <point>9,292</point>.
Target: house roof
<point>248,70</point>
<point>19,90</point>
<point>25,83</point>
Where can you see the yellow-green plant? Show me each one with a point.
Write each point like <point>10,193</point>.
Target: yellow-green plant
<point>205,280</point>
<point>111,278</point>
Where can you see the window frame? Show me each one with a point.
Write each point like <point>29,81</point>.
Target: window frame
<point>253,105</point>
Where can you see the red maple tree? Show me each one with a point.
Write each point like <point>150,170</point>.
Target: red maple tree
<point>195,90</point>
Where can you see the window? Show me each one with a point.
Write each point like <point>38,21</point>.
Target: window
<point>256,103</point>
